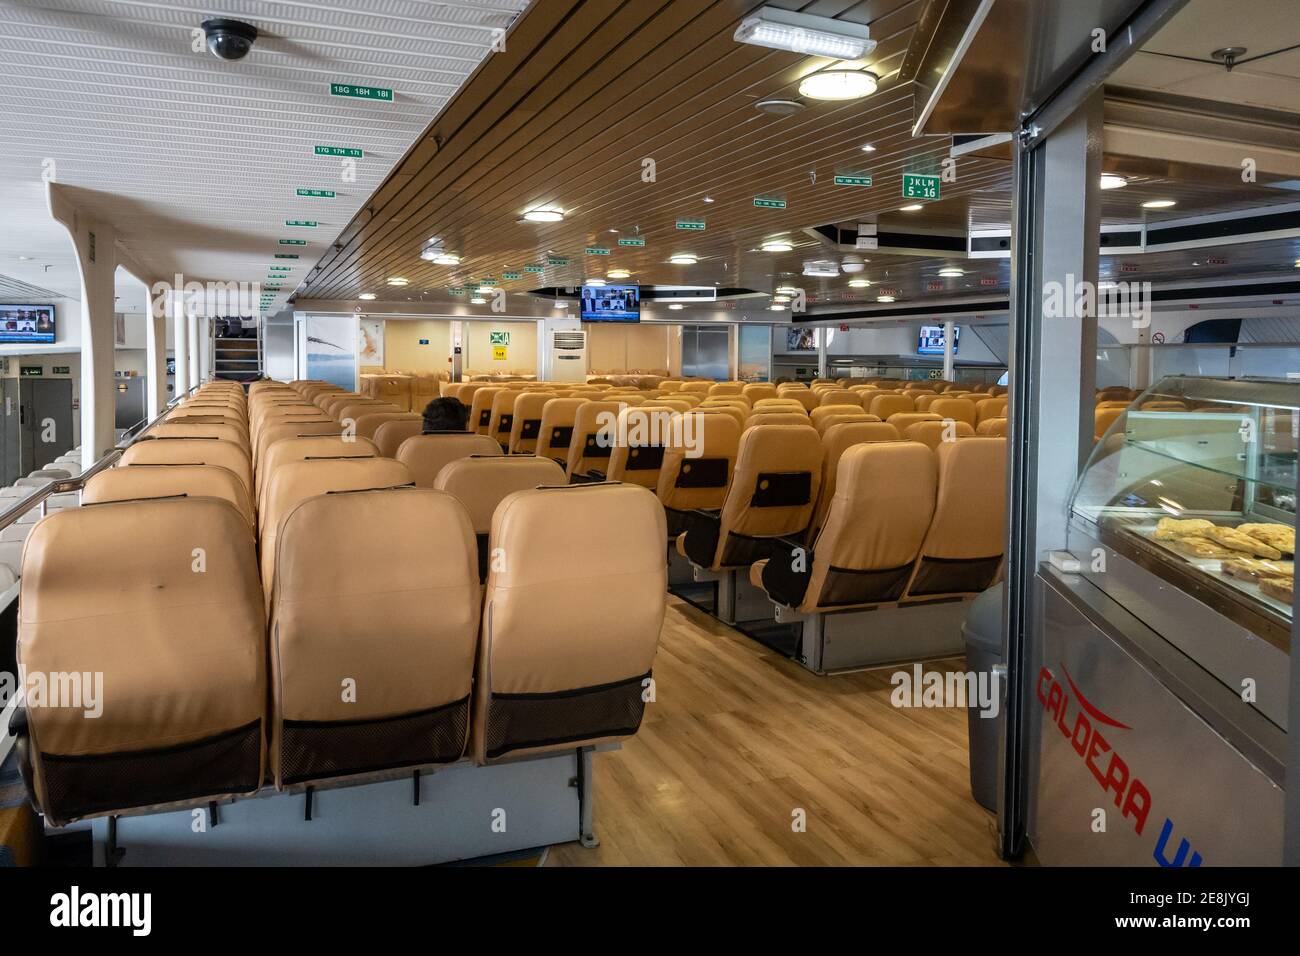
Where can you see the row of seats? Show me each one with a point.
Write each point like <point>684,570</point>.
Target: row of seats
<point>362,640</point>
<point>12,538</point>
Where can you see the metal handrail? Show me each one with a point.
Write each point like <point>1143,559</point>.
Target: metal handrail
<point>40,495</point>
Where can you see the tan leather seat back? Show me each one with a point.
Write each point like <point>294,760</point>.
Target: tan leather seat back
<point>925,400</point>
<point>642,438</point>
<point>306,448</point>
<point>393,431</point>
<point>840,396</point>
<point>293,428</point>
<point>394,389</point>
<point>368,424</point>
<point>378,588</point>
<point>481,484</point>
<point>958,409</point>
<point>905,420</point>
<point>501,421</point>
<point>830,420</point>
<point>987,408</point>
<point>882,507</point>
<point>191,451</point>
<point>571,621</point>
<point>755,391</point>
<point>132,482</point>
<point>885,405</point>
<point>526,422</point>
<point>698,462</point>
<point>592,446</point>
<point>555,434</point>
<point>296,481</point>
<point>350,412</point>
<point>737,415</point>
<point>200,430</point>
<point>334,401</point>
<point>822,411</point>
<point>778,418</point>
<point>997,428</point>
<point>112,590</point>
<point>727,388</point>
<point>779,405</point>
<point>931,434</point>
<point>836,440</point>
<point>480,409</point>
<point>426,455</point>
<point>962,553</point>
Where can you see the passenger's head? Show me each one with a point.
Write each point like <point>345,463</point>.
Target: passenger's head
<point>445,415</point>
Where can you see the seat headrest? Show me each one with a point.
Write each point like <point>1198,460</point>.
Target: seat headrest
<point>138,482</point>
<point>482,483</point>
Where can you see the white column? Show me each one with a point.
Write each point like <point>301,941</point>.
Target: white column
<point>181,345</point>
<point>155,330</point>
<point>196,348</point>
<point>823,333</point>
<point>949,331</point>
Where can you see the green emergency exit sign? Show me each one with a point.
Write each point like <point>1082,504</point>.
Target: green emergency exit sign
<point>304,223</point>
<point>28,371</point>
<point>286,255</point>
<point>920,187</point>
<point>691,225</point>
<point>631,242</point>
<point>361,92</point>
<point>62,370</point>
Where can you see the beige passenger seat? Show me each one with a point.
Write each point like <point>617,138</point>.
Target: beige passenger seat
<point>427,455</point>
<point>138,482</point>
<point>697,477</point>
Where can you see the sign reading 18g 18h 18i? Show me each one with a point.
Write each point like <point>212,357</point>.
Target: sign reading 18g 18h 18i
<point>361,92</point>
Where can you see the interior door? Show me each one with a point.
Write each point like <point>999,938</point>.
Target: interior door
<point>46,421</point>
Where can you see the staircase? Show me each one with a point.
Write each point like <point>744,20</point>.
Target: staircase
<point>238,359</point>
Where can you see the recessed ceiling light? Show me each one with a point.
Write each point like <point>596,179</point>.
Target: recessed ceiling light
<point>776,308</point>
<point>684,259</point>
<point>677,307</point>
<point>839,85</point>
<point>786,290</point>
<point>544,214</point>
<point>478,300</point>
<point>1111,181</point>
<point>617,274</point>
<point>775,107</point>
<point>781,299</point>
<point>884,298</point>
<point>868,148</point>
<point>951,273</point>
<point>1159,204</point>
<point>597,283</point>
<point>777,245</point>
<point>561,304</point>
<point>368,296</point>
<point>708,199</point>
<point>779,29</point>
<point>25,258</point>
<point>914,207</point>
<point>398,280</point>
<point>859,283</point>
<point>446,259</point>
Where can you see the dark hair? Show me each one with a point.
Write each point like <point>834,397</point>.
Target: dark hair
<point>445,415</point>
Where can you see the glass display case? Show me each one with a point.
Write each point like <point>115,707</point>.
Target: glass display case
<point>1194,484</point>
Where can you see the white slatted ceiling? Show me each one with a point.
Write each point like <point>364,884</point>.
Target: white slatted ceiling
<point>196,160</point>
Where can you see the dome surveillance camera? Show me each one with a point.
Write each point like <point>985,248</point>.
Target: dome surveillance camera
<point>229,39</point>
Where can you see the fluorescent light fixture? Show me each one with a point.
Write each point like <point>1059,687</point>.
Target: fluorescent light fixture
<point>708,199</point>
<point>859,284</point>
<point>1159,204</point>
<point>951,273</point>
<point>884,298</point>
<point>776,308</point>
<point>868,148</point>
<point>839,85</point>
<point>478,300</point>
<point>684,259</point>
<point>368,296</point>
<point>597,283</point>
<point>617,274</point>
<point>446,259</point>
<point>786,290</point>
<point>486,289</point>
<point>777,245</point>
<point>677,307</point>
<point>561,304</point>
<point>1111,181</point>
<point>398,280</point>
<point>544,214</point>
<point>914,207</point>
<point>801,33</point>
<point>821,270</point>
<point>781,300</point>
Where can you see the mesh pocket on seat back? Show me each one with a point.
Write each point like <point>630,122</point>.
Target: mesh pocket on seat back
<point>848,586</point>
<point>76,786</point>
<point>520,721</point>
<point>316,749</point>
<point>954,575</point>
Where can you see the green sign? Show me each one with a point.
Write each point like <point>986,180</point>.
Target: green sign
<point>280,268</point>
<point>361,92</point>
<point>763,203</point>
<point>693,225</point>
<point>596,251</point>
<point>62,370</point>
<point>316,193</point>
<point>920,187</point>
<point>456,291</point>
<point>305,223</point>
<point>534,268</point>
<point>498,338</point>
<point>338,151</point>
<point>852,180</point>
<point>631,242</point>
<point>293,242</point>
<point>286,255</point>
<point>557,261</point>
<point>508,276</point>
<point>30,370</point>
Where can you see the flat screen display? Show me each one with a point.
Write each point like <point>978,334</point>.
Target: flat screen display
<point>612,303</point>
<point>26,323</point>
<point>801,340</point>
<point>931,341</point>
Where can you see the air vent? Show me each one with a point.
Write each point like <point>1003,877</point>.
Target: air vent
<point>570,341</point>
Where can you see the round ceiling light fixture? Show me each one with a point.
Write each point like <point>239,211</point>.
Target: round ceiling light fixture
<point>561,304</point>
<point>777,245</point>
<point>859,284</point>
<point>786,290</point>
<point>478,300</point>
<point>684,259</point>
<point>1159,204</point>
<point>594,283</point>
<point>951,273</point>
<point>618,274</point>
<point>544,214</point>
<point>839,84</point>
<point>884,298</point>
<point>446,259</point>
<point>1112,181</point>
<point>914,207</point>
<point>677,307</point>
<point>778,107</point>
<point>367,296</point>
<point>851,264</point>
<point>398,280</point>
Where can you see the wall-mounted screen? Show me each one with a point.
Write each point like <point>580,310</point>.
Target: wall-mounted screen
<point>931,340</point>
<point>801,339</point>
<point>26,323</point>
<point>613,303</point>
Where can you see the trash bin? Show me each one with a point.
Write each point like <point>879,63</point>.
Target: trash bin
<point>982,633</point>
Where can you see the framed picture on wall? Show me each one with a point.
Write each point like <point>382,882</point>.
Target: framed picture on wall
<point>370,342</point>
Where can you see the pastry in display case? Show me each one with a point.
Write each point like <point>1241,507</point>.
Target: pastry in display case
<point>1194,483</point>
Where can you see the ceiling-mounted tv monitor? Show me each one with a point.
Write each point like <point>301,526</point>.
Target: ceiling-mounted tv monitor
<point>931,340</point>
<point>611,303</point>
<point>27,323</point>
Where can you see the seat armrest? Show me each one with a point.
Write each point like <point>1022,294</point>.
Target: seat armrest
<point>700,539</point>
<point>788,571</point>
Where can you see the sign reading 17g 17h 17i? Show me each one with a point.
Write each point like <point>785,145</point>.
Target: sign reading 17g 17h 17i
<point>361,92</point>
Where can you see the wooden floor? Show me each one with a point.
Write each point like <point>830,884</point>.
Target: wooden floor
<point>739,738</point>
